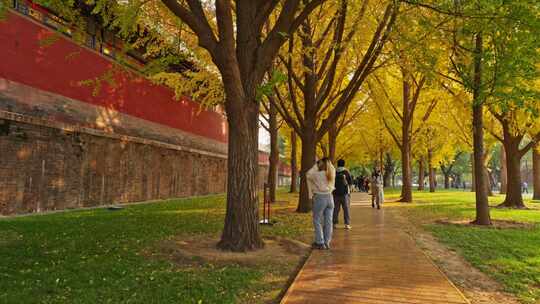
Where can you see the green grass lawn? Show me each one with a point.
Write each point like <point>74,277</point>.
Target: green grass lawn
<point>95,256</point>
<point>511,256</point>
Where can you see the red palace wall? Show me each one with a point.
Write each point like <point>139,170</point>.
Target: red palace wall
<point>55,153</point>
<point>59,67</point>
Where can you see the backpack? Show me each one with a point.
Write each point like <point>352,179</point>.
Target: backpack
<point>342,186</point>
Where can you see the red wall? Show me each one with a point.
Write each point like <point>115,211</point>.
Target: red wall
<point>60,66</point>
<point>283,169</point>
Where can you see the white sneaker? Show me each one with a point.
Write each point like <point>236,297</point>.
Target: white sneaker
<point>348,227</point>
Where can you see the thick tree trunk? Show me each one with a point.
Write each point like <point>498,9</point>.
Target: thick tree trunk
<point>241,231</point>
<point>536,173</point>
<point>332,141</point>
<point>309,155</point>
<point>274,152</point>
<point>421,174</point>
<point>482,204</point>
<point>514,198</point>
<point>406,189</point>
<point>309,133</point>
<point>431,170</point>
<point>504,178</point>
<point>294,166</point>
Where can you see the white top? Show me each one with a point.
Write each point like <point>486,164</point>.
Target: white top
<point>317,181</point>
<point>377,182</point>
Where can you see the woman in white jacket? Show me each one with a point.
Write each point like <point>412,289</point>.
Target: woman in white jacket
<point>321,178</point>
<point>377,189</point>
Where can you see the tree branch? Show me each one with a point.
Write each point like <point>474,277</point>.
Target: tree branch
<point>196,20</point>
<point>378,40</point>
<point>534,141</point>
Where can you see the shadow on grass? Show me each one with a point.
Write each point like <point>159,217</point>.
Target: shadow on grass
<point>93,256</point>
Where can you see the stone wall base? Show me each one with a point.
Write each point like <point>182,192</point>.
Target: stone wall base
<point>44,167</point>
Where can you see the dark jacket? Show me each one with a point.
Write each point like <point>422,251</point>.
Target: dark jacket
<point>343,181</point>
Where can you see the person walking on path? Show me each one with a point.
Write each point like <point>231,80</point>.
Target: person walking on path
<point>366,184</point>
<point>360,183</point>
<point>342,194</point>
<point>377,189</point>
<point>321,179</point>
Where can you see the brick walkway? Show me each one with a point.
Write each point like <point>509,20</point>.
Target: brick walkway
<point>374,263</point>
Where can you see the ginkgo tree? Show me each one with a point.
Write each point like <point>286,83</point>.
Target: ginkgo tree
<point>474,33</point>
<point>333,145</point>
<point>234,37</point>
<point>519,133</point>
<point>400,89</point>
<point>366,142</point>
<point>457,138</point>
<point>437,143</point>
<point>240,40</point>
<point>512,59</point>
<point>326,64</point>
<point>399,100</point>
<point>272,123</point>
<point>459,112</point>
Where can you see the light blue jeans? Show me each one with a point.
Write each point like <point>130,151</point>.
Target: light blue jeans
<point>323,211</point>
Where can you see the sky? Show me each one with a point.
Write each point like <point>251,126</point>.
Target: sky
<point>264,139</point>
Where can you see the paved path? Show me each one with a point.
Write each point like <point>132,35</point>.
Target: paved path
<point>374,263</point>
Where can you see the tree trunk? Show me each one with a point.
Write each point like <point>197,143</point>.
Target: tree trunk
<point>387,176</point>
<point>504,178</point>
<point>309,133</point>
<point>432,182</point>
<point>458,181</point>
<point>536,173</point>
<point>241,231</point>
<point>381,161</point>
<point>274,152</point>
<point>421,174</point>
<point>432,179</point>
<point>309,155</point>
<point>332,140</point>
<point>294,166</point>
<point>482,204</point>
<point>406,189</point>
<point>387,179</point>
<point>514,198</point>
<point>446,180</point>
<point>389,169</point>
<point>473,175</point>
<point>489,183</point>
